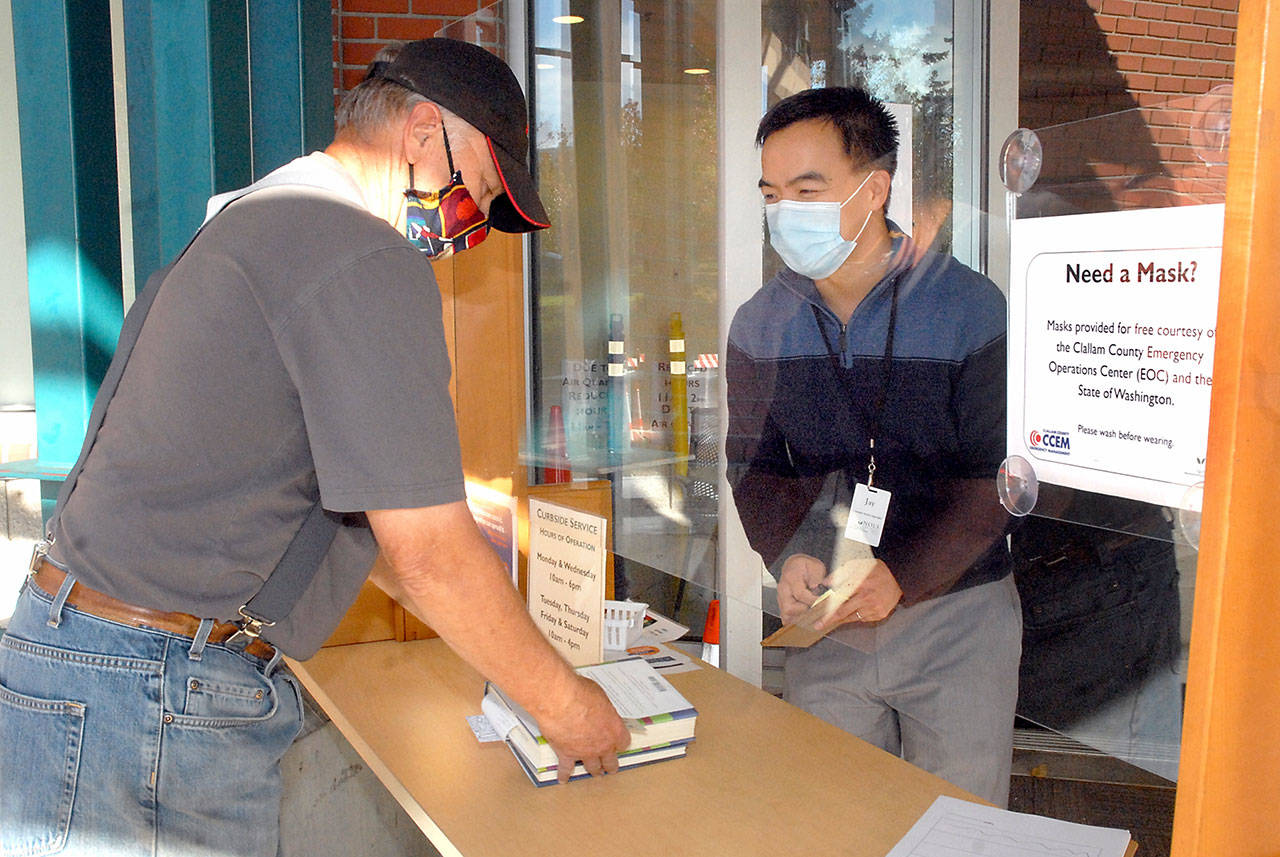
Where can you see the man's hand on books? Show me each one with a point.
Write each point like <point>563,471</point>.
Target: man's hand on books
<point>587,730</point>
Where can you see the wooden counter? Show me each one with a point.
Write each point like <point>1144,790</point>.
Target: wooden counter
<point>761,778</point>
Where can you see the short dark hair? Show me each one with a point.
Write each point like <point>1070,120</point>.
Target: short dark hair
<point>868,129</point>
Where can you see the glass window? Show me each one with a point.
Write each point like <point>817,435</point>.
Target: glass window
<point>1125,125</point>
<point>624,286</point>
<point>916,57</point>
<point>1130,113</point>
<point>1126,113</point>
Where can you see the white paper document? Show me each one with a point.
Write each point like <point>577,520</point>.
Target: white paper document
<point>957,828</point>
<point>660,629</point>
<point>663,659</point>
<point>633,690</point>
<point>1112,322</point>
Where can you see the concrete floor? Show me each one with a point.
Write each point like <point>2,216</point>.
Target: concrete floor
<point>333,804</point>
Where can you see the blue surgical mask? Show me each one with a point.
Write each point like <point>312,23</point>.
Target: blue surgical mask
<point>807,234</point>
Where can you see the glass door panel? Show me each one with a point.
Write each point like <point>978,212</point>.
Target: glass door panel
<point>924,58</point>
<point>1120,166</point>
<point>624,285</point>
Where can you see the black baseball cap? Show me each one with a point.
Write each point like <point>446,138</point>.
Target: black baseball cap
<point>483,91</point>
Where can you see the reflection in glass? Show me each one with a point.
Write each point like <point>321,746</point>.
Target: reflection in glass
<point>624,286</point>
<point>865,389</point>
<point>1127,122</point>
<point>903,53</point>
<point>1101,626</point>
<point>1142,124</point>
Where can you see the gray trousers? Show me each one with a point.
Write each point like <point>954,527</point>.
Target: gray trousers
<point>935,683</point>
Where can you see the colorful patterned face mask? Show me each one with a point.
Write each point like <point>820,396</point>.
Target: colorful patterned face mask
<point>446,221</point>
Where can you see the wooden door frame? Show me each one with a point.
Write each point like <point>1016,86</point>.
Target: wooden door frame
<point>1229,782</point>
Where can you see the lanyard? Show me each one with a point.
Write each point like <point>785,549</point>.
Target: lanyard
<point>887,371</point>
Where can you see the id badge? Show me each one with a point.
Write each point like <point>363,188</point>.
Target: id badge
<point>867,514</point>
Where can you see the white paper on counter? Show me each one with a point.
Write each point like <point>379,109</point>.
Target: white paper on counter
<point>635,689</point>
<point>958,828</point>
<point>660,629</point>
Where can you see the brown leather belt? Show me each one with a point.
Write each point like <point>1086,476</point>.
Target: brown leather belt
<point>49,578</point>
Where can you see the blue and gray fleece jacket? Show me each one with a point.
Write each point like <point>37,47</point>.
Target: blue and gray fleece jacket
<point>805,391</point>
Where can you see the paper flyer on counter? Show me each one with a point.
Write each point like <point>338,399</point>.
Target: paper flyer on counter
<point>663,659</point>
<point>632,690</point>
<point>567,578</point>
<point>1111,334</point>
<point>659,629</point>
<point>959,828</point>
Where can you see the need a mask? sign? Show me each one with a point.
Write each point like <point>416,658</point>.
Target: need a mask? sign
<point>1111,336</point>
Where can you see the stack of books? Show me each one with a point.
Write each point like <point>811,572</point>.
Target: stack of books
<point>660,720</point>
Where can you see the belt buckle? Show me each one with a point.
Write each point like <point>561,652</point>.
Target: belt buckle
<point>39,551</point>
<point>249,628</point>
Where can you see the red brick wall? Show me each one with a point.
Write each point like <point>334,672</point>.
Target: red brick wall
<point>360,27</point>
<point>1167,48</point>
<point>1126,95</point>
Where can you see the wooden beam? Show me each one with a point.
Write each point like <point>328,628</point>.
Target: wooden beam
<point>1229,784</point>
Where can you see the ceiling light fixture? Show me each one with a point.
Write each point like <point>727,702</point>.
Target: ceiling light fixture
<point>567,19</point>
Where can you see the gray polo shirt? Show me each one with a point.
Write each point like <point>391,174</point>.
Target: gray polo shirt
<point>297,347</point>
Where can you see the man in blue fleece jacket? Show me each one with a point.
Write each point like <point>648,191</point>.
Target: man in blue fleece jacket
<point>870,370</point>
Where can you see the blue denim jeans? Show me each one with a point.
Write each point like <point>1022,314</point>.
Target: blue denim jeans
<point>125,741</point>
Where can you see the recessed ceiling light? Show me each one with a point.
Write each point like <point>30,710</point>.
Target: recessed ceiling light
<point>567,19</point>
<point>697,71</point>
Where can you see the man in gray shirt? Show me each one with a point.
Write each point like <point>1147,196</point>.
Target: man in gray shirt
<point>294,355</point>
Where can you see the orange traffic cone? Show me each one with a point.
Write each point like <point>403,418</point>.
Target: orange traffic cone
<point>711,634</point>
<point>555,470</point>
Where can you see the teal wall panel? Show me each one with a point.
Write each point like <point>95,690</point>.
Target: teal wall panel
<point>67,134</point>
<point>276,45</point>
<point>229,73</point>
<point>219,93</point>
<point>291,54</point>
<point>144,188</point>
<point>167,68</point>
<point>316,18</point>
<point>181,146</point>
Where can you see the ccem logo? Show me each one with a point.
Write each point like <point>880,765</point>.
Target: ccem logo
<point>1057,442</point>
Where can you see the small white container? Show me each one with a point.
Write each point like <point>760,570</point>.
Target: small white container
<point>623,623</point>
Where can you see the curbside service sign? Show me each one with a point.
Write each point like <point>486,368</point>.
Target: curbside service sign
<point>567,579</point>
<point>1111,337</point>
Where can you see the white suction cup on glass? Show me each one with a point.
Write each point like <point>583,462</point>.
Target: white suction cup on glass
<point>1018,486</point>
<point>1021,158</point>
<point>1211,128</point>
<point>1187,517</point>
